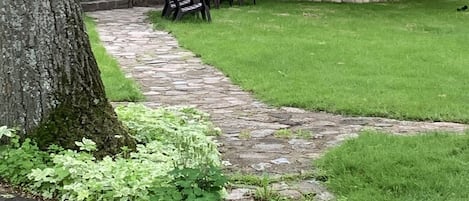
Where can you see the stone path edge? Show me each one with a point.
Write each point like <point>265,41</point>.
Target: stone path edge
<point>172,76</point>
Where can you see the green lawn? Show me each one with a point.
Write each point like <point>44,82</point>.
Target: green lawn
<point>404,60</point>
<point>117,86</point>
<point>381,167</point>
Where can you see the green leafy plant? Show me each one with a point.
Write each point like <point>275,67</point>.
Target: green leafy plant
<point>181,131</point>
<point>173,148</point>
<point>5,131</point>
<point>86,145</point>
<point>203,184</point>
<point>18,158</point>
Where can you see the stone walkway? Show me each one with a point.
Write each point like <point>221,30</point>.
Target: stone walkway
<point>170,75</point>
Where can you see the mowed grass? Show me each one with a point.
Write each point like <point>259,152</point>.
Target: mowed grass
<point>382,167</point>
<point>404,60</point>
<point>117,86</point>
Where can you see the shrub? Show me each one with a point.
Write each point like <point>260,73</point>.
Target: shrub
<point>17,159</point>
<point>174,160</point>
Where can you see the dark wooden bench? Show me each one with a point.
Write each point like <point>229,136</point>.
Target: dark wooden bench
<point>179,8</point>
<point>170,6</point>
<point>201,7</point>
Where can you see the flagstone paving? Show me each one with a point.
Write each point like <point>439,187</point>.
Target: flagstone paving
<point>171,75</point>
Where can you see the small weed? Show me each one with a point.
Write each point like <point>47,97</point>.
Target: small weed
<point>255,180</point>
<point>245,134</point>
<point>288,134</point>
<point>308,197</point>
<point>265,191</point>
<point>304,134</point>
<point>296,177</point>
<point>284,133</point>
<point>246,179</point>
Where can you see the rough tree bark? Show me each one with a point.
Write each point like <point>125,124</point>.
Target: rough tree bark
<point>50,85</point>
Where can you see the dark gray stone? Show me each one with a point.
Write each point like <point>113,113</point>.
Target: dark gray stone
<point>355,121</point>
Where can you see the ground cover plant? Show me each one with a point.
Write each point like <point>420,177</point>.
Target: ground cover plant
<point>116,85</point>
<point>175,160</point>
<point>403,59</point>
<point>381,167</point>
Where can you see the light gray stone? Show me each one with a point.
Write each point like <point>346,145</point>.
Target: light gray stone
<point>383,125</point>
<point>237,194</point>
<point>280,186</point>
<point>291,194</point>
<point>226,163</point>
<point>293,110</point>
<point>324,123</point>
<point>299,142</point>
<point>253,156</point>
<point>310,186</point>
<point>268,147</point>
<point>261,166</point>
<point>262,133</point>
<point>151,93</point>
<point>324,196</point>
<point>279,161</point>
<point>329,132</point>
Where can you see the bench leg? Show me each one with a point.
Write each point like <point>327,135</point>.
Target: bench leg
<point>165,9</point>
<point>177,15</point>
<point>204,16</point>
<point>207,12</point>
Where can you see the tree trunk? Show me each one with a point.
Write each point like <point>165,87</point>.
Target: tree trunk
<point>49,81</point>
